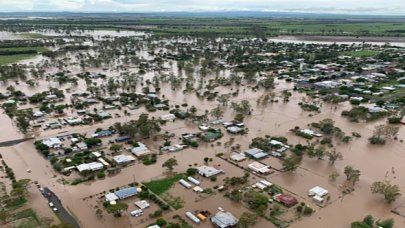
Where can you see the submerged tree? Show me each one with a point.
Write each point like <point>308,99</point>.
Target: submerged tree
<point>170,164</point>
<point>391,192</point>
<point>352,175</point>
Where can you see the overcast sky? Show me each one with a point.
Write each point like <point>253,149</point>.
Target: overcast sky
<point>387,7</point>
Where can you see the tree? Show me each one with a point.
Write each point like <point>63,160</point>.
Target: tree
<point>223,99</point>
<point>382,133</point>
<point>117,208</point>
<point>319,152</point>
<point>247,220</point>
<point>391,192</point>
<point>116,147</point>
<point>334,156</point>
<point>170,163</point>
<point>217,112</point>
<point>22,123</point>
<point>243,107</point>
<point>4,215</point>
<point>286,95</point>
<point>292,162</point>
<point>352,175</point>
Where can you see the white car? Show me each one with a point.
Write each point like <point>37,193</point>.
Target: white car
<point>51,204</point>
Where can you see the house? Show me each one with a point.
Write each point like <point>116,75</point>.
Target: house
<point>103,133</point>
<point>208,171</point>
<point>73,120</point>
<point>123,159</point>
<point>168,117</point>
<point>256,153</point>
<point>224,219</point>
<point>209,136</point>
<point>263,184</point>
<point>38,114</point>
<point>376,109</point>
<point>96,154</point>
<point>140,150</point>
<point>94,166</point>
<point>52,142</point>
<point>234,129</point>
<point>259,168</point>
<point>286,200</point>
<point>310,132</point>
<point>319,191</point>
<point>126,192</point>
<point>82,146</point>
<point>237,157</point>
<point>111,197</point>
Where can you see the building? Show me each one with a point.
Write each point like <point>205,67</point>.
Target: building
<point>234,129</point>
<point>126,192</point>
<point>259,168</point>
<point>143,204</point>
<point>123,159</point>
<point>140,150</point>
<point>238,157</point>
<point>319,191</point>
<point>224,220</point>
<point>52,142</point>
<point>208,171</point>
<point>103,114</point>
<point>82,146</point>
<point>256,153</point>
<point>286,200</point>
<point>94,166</point>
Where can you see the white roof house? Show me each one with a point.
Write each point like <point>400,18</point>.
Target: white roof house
<point>38,114</point>
<point>208,171</point>
<point>94,166</point>
<point>122,159</point>
<point>52,142</point>
<point>259,167</point>
<point>140,150</point>
<point>110,197</point>
<point>238,156</point>
<point>319,191</point>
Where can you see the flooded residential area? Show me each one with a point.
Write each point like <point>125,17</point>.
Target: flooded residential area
<point>164,121</point>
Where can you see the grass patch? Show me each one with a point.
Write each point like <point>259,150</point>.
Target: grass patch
<point>160,186</point>
<point>361,54</point>
<point>14,203</point>
<point>9,59</point>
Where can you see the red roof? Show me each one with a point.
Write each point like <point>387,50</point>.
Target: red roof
<point>287,200</point>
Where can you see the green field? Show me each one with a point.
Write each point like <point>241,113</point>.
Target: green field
<point>9,59</point>
<point>160,186</point>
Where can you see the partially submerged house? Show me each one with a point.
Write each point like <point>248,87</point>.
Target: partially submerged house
<point>123,159</point>
<point>140,150</point>
<point>208,171</point>
<point>256,153</point>
<point>224,220</point>
<point>93,166</point>
<point>259,168</point>
<point>286,200</point>
<point>52,142</point>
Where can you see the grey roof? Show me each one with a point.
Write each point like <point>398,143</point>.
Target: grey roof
<point>224,219</point>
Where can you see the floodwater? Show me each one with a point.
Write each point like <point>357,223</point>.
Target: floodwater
<point>276,119</point>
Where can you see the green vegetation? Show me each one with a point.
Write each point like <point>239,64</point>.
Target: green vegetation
<point>13,55</point>
<point>160,186</point>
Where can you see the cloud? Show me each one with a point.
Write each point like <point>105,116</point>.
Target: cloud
<point>332,6</point>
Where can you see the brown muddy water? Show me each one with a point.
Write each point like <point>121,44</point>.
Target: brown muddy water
<point>376,163</point>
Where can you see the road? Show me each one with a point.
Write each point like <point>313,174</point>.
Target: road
<point>62,213</point>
